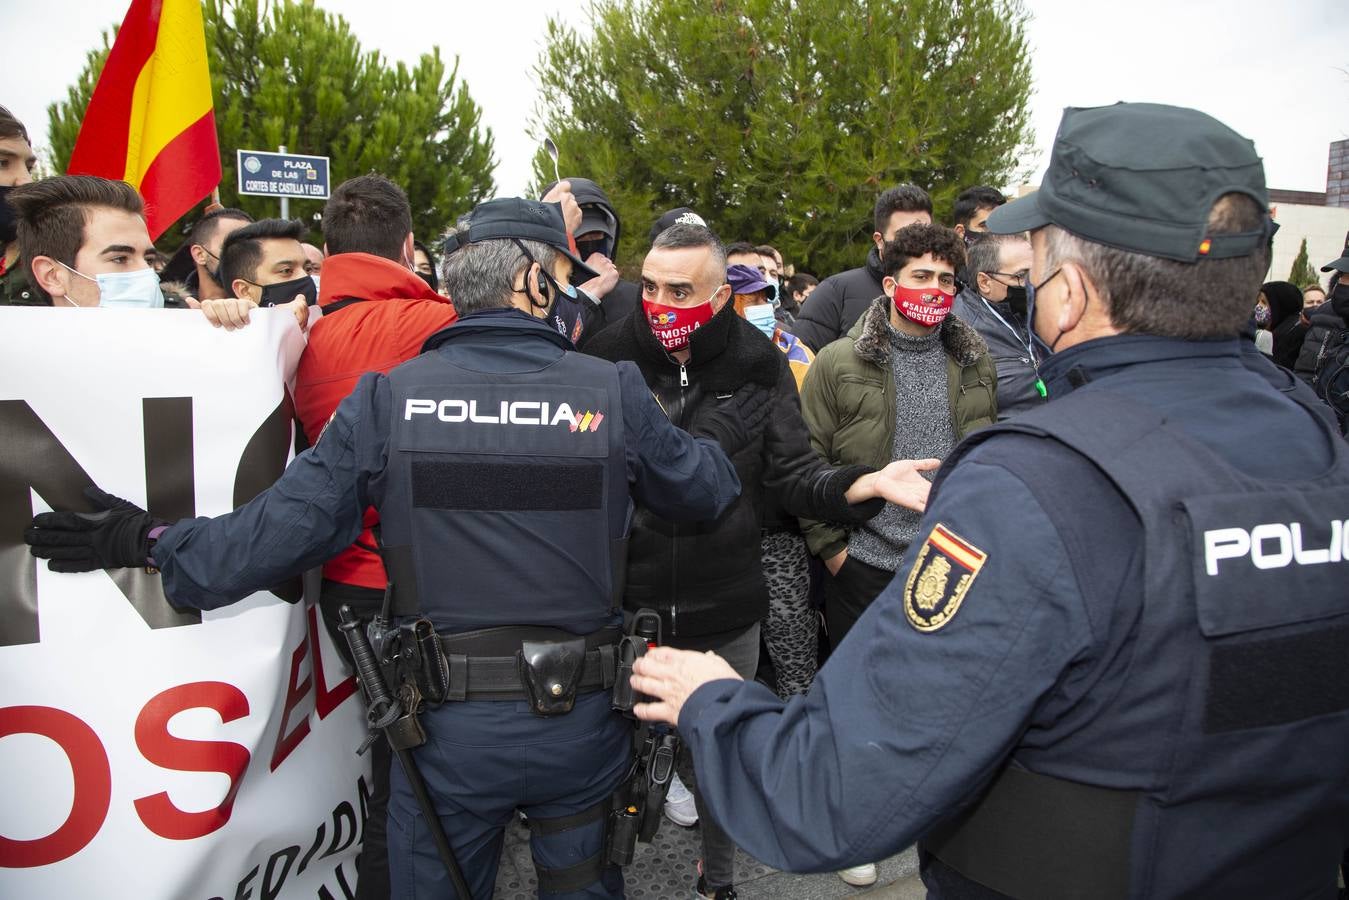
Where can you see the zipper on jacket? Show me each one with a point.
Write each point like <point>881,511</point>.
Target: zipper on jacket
<point>677,415</point>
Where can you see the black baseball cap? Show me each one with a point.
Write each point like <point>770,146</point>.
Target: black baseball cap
<point>1338,265</point>
<point>1144,177</point>
<point>680,215</point>
<point>525,220</point>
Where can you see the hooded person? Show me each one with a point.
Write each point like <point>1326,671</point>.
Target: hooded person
<point>606,296</point>
<point>1285,323</point>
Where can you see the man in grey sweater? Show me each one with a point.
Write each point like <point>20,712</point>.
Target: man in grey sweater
<point>907,382</point>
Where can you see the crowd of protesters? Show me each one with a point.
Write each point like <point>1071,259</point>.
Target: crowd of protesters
<point>898,359</point>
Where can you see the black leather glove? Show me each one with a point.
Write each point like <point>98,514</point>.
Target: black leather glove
<point>735,421</point>
<point>113,537</point>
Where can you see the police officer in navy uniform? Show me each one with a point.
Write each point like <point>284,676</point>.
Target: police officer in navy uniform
<point>1117,665</point>
<point>502,464</point>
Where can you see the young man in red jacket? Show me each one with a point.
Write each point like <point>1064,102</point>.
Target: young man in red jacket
<point>376,313</point>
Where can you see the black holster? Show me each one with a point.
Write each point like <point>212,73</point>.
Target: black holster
<point>637,803</point>
<point>550,672</point>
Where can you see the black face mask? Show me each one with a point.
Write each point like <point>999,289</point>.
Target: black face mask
<point>594,245</point>
<point>1016,299</point>
<point>214,273</point>
<point>430,278</point>
<point>9,225</point>
<point>1339,299</point>
<point>278,294</point>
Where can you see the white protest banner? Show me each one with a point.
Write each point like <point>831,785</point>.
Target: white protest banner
<point>145,751</point>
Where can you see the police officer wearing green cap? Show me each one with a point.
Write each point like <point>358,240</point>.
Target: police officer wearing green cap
<point>1117,664</point>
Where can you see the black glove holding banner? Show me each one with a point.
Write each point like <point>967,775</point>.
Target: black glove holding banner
<point>115,536</point>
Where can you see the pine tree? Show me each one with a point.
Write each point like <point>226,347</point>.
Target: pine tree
<point>1302,273</point>
<point>288,73</point>
<point>781,120</point>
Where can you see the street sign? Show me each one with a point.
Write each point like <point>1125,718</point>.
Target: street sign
<point>266,174</point>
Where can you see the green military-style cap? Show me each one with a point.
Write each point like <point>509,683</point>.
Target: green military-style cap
<point>1144,177</point>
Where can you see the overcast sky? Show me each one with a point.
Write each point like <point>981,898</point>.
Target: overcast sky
<point>1275,70</point>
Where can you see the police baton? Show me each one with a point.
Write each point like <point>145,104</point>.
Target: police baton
<point>386,714</point>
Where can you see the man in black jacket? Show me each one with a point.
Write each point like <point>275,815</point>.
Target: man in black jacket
<point>839,301</point>
<point>994,301</point>
<point>706,363</point>
<point>1327,319</point>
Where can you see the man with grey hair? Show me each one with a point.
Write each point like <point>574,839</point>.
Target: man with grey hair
<point>994,301</point>
<point>700,357</point>
<point>1117,666</point>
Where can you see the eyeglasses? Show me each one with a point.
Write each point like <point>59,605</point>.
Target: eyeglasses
<point>1018,278</point>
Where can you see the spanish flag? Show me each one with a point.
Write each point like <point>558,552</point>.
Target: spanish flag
<point>150,121</point>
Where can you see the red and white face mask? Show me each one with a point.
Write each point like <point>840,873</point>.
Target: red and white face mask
<point>926,306</point>
<point>674,325</point>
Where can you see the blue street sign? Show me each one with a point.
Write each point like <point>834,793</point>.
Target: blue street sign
<point>265,174</point>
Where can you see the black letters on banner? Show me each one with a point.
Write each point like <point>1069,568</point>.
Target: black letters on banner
<point>32,458</point>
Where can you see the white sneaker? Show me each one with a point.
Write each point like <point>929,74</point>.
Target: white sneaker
<point>859,876</point>
<point>679,806</point>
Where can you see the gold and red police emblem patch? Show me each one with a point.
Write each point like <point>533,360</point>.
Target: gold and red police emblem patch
<point>941,575</point>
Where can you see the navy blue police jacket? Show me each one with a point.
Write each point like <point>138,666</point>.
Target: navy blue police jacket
<point>912,719</point>
<point>314,510</point>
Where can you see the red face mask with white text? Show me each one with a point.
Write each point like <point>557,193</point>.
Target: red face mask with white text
<point>926,306</point>
<point>674,325</point>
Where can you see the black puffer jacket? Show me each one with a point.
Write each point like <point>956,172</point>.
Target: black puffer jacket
<point>707,577</point>
<point>832,309</point>
<point>1329,318</point>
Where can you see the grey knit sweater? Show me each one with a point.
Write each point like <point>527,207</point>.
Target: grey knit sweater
<point>923,428</point>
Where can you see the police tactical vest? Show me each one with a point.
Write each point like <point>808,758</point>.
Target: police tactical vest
<point>1239,681</point>
<point>507,495</point>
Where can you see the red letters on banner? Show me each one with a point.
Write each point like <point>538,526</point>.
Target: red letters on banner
<point>93,775</point>
<point>93,785</point>
<point>157,811</point>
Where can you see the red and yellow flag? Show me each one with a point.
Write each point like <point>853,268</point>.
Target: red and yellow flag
<point>150,121</point>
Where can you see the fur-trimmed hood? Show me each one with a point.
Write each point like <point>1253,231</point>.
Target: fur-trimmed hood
<point>871,337</point>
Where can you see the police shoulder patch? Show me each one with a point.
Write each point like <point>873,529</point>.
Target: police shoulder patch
<point>945,568</point>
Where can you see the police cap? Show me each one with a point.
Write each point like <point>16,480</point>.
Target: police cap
<point>1338,265</point>
<point>1144,177</point>
<point>525,220</point>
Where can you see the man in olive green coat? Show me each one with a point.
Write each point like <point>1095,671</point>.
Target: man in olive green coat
<point>908,382</point>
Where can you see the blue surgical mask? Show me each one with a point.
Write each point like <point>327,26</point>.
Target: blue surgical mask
<point>126,290</point>
<point>761,317</point>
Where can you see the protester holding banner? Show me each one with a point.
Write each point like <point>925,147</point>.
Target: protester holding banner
<point>262,264</point>
<point>85,242</point>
